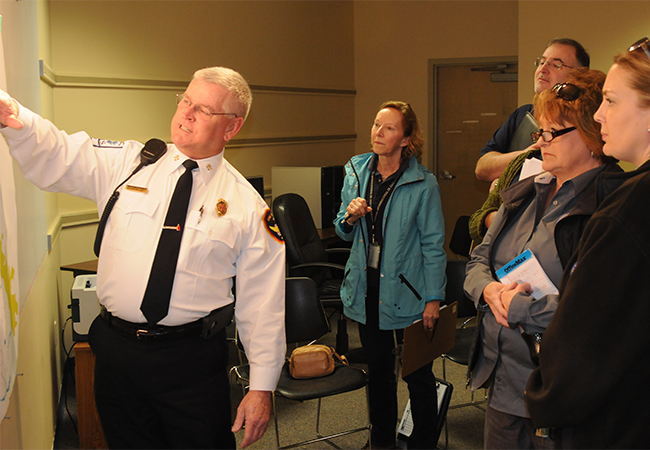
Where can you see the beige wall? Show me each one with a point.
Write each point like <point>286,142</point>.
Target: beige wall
<point>604,28</point>
<point>395,40</point>
<point>319,71</point>
<point>298,56</point>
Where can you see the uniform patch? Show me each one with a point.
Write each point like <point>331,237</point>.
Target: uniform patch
<point>272,227</point>
<point>104,143</point>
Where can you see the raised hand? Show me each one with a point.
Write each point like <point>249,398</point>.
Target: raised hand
<point>9,112</point>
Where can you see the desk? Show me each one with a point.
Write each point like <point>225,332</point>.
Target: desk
<point>91,434</point>
<point>82,268</point>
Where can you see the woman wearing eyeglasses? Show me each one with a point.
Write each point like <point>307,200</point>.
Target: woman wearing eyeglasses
<point>545,214</point>
<point>591,384</point>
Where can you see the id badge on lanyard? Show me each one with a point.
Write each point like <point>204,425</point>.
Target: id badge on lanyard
<point>373,255</point>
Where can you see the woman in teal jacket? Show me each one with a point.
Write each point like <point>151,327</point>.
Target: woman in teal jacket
<point>395,275</point>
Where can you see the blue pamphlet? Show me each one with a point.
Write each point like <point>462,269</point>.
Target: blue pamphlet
<point>525,268</point>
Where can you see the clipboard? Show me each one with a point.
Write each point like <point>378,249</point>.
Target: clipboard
<point>422,346</point>
<point>521,138</point>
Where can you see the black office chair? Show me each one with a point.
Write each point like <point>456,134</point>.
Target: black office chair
<point>308,257</point>
<point>465,333</point>
<point>461,241</point>
<point>306,322</point>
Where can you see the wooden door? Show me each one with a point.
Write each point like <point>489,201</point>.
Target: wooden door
<point>470,109</point>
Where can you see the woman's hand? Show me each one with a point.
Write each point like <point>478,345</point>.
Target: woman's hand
<point>510,291</point>
<point>492,296</point>
<point>357,209</point>
<point>430,314</point>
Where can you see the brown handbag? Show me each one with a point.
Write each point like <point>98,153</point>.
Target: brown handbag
<point>313,361</point>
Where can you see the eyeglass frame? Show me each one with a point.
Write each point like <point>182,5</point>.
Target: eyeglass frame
<point>641,44</point>
<point>199,108</point>
<point>538,62</point>
<point>535,135</point>
<point>560,89</point>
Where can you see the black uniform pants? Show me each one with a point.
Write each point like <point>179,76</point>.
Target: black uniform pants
<point>153,394</point>
<point>378,346</point>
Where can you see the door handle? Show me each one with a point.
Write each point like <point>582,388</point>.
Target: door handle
<point>445,175</point>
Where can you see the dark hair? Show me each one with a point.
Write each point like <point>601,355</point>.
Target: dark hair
<point>637,65</point>
<point>581,54</point>
<point>411,128</point>
<point>579,112</point>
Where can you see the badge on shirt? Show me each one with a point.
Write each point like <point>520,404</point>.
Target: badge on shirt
<point>222,207</point>
<point>271,227</point>
<point>143,190</point>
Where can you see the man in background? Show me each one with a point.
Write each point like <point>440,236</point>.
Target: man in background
<point>561,55</point>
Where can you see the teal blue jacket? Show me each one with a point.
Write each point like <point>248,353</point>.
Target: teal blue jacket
<point>414,235</point>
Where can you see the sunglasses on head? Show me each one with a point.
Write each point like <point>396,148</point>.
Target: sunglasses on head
<point>567,91</point>
<point>641,44</point>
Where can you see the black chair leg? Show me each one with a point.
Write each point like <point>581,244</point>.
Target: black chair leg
<point>342,336</point>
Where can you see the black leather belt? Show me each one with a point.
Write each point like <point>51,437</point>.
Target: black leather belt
<point>144,331</point>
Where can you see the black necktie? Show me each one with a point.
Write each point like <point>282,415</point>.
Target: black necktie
<point>155,304</point>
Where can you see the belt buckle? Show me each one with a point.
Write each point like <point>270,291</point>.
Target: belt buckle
<point>142,333</point>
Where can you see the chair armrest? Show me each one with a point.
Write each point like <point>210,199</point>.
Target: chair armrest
<point>324,265</point>
<point>337,255</point>
<point>337,250</point>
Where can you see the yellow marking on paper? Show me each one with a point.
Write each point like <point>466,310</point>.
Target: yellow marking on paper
<point>7,275</point>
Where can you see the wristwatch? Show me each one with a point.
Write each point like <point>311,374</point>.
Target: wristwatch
<point>345,219</point>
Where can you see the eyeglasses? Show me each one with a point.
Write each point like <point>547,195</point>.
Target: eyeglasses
<point>183,102</point>
<point>567,91</point>
<point>549,135</point>
<point>553,63</point>
<point>641,44</point>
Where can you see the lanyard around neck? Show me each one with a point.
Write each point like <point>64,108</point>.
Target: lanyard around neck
<point>374,214</point>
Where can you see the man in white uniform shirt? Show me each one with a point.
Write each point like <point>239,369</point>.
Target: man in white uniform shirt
<point>165,385</point>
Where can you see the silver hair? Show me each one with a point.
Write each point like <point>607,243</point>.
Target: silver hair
<point>234,82</point>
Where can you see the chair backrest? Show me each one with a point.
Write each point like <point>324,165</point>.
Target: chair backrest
<point>461,241</point>
<point>454,291</point>
<point>305,319</point>
<point>302,242</point>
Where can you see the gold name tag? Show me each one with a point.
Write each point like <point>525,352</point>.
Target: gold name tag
<point>144,190</point>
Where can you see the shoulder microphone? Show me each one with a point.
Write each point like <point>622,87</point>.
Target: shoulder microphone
<point>150,153</point>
